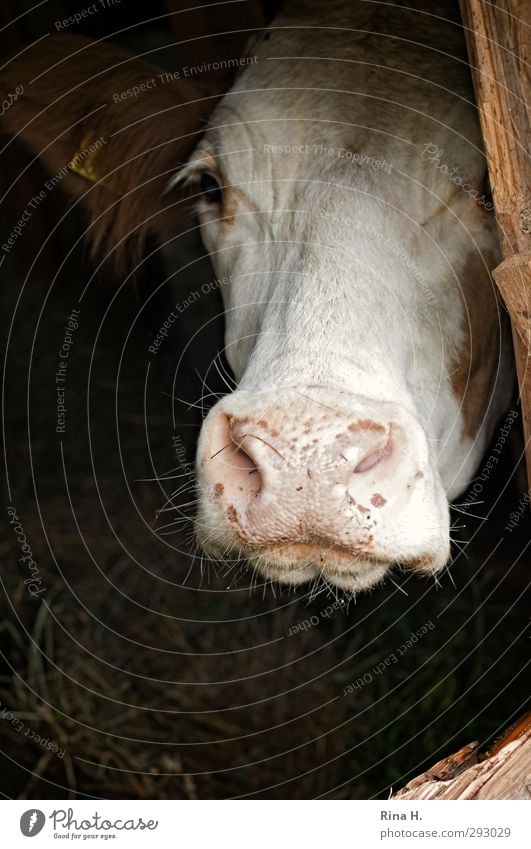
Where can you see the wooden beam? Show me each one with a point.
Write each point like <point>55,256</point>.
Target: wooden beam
<point>498,37</point>
<point>504,772</point>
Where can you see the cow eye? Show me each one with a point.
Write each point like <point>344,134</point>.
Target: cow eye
<point>211,187</point>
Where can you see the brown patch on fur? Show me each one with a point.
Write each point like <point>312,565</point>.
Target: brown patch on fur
<point>415,477</point>
<point>229,206</point>
<point>363,509</point>
<point>71,100</point>
<point>378,500</point>
<point>232,198</point>
<point>366,546</point>
<point>475,367</point>
<point>219,489</point>
<point>366,424</point>
<point>421,562</point>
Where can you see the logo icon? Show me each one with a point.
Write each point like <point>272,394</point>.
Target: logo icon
<point>32,822</point>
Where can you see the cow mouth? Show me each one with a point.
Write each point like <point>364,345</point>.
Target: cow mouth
<point>295,563</point>
<point>298,562</point>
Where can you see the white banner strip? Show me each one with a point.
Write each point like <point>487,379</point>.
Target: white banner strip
<point>265,824</point>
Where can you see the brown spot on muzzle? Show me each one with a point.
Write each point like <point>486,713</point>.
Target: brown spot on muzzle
<point>366,424</point>
<point>378,500</point>
<point>218,490</point>
<point>265,425</point>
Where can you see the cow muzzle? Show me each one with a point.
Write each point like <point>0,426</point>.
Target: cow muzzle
<point>316,482</point>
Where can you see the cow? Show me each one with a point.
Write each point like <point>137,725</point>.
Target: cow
<point>340,186</point>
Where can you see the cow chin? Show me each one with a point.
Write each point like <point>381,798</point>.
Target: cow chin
<point>300,562</point>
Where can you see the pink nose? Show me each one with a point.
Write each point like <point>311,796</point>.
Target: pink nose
<point>288,474</point>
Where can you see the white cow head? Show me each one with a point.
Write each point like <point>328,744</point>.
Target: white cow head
<point>354,264</point>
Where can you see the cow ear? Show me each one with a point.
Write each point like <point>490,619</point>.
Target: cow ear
<point>111,129</point>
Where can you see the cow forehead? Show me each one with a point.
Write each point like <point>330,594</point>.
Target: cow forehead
<point>281,164</point>
<point>270,132</point>
<point>326,84</point>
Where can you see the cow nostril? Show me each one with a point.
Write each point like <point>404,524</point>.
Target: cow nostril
<point>373,459</point>
<point>244,472</point>
<point>230,471</point>
<point>242,460</point>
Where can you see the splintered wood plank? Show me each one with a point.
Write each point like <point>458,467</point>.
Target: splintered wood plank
<point>504,772</point>
<point>498,38</point>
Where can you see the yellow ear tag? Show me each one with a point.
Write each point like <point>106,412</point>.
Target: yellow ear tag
<point>84,163</point>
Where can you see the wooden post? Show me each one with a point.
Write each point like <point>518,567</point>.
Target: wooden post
<point>499,48</point>
<point>504,772</point>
